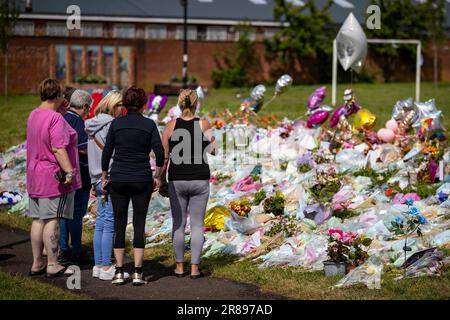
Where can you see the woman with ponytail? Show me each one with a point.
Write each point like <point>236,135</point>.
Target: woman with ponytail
<point>187,140</point>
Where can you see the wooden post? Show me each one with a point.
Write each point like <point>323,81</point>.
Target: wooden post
<point>132,69</point>
<point>69,65</point>
<point>84,61</point>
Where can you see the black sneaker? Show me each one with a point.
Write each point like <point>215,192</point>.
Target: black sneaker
<point>79,259</point>
<point>64,257</point>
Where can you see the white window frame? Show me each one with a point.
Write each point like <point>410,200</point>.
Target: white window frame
<point>24,28</point>
<point>124,31</point>
<point>191,33</point>
<point>57,29</point>
<point>92,30</point>
<point>252,35</point>
<point>269,33</point>
<point>156,32</point>
<point>216,33</point>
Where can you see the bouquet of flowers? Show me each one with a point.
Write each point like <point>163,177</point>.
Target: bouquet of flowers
<point>219,177</point>
<point>275,204</point>
<point>325,185</point>
<point>305,163</point>
<point>259,197</point>
<point>347,247</point>
<point>241,207</point>
<point>286,225</point>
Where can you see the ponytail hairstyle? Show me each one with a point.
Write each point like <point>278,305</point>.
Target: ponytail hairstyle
<point>187,101</point>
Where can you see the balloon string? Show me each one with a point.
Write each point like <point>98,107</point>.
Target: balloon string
<point>351,79</point>
<point>271,100</point>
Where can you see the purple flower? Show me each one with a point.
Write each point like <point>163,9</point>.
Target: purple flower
<point>442,196</point>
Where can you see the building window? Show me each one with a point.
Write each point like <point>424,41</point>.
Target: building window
<point>191,33</point>
<point>270,33</point>
<point>108,64</point>
<point>156,31</point>
<point>77,62</point>
<point>123,30</point>
<point>251,35</point>
<point>61,56</point>
<point>216,34</point>
<point>24,28</point>
<point>92,59</point>
<point>92,30</point>
<point>57,29</point>
<point>124,66</point>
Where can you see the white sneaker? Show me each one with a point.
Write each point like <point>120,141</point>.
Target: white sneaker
<point>109,274</point>
<point>96,272</point>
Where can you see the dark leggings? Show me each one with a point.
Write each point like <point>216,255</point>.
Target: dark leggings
<point>121,193</point>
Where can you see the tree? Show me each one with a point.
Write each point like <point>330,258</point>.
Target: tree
<point>237,72</point>
<point>9,13</point>
<point>309,34</point>
<point>405,19</point>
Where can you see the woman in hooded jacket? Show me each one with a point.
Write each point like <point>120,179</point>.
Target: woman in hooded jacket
<point>97,128</point>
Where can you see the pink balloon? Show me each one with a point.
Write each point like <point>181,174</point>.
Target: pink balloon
<point>393,125</point>
<point>316,98</point>
<point>335,117</point>
<point>386,135</point>
<point>317,118</point>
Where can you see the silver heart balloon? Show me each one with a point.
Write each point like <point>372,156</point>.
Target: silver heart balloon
<point>321,108</point>
<point>200,95</point>
<point>258,93</point>
<point>351,44</point>
<point>283,84</point>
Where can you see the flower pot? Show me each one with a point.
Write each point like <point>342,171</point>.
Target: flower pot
<point>333,268</point>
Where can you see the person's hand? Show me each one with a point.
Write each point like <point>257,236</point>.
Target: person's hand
<point>93,191</point>
<point>156,184</point>
<point>104,184</point>
<point>69,179</point>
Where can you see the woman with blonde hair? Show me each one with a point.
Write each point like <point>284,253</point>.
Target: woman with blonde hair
<point>109,108</point>
<point>186,141</point>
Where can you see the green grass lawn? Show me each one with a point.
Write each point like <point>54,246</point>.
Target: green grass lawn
<point>17,287</point>
<point>378,98</point>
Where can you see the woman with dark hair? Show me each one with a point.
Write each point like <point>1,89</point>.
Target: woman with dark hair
<point>186,142</point>
<point>131,138</point>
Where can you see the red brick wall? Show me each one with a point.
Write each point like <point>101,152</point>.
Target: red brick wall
<point>159,61</point>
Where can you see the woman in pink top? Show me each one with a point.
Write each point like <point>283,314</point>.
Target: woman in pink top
<point>52,157</point>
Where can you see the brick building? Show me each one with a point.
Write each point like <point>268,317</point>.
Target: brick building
<point>140,41</point>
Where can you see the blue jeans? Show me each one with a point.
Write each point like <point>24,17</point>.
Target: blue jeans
<point>104,230</point>
<point>74,227</point>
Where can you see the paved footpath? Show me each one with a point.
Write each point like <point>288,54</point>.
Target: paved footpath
<point>15,257</point>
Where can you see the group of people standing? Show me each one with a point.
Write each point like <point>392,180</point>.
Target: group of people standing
<point>108,155</point>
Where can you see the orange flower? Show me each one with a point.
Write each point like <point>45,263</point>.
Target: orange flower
<point>389,192</point>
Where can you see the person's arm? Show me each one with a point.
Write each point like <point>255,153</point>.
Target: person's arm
<point>165,141</point>
<point>208,132</point>
<point>158,149</point>
<point>107,153</point>
<point>64,162</point>
<point>82,138</point>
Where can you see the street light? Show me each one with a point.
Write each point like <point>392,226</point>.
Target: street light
<point>184,3</point>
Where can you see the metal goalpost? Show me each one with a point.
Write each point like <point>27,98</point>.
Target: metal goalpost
<point>418,43</point>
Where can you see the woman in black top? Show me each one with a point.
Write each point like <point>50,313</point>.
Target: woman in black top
<point>131,138</point>
<point>187,140</point>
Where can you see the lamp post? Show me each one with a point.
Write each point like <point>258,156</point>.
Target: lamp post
<point>184,3</point>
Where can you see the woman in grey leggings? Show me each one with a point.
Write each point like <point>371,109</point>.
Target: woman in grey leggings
<point>186,141</point>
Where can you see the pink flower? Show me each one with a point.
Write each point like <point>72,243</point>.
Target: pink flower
<point>336,234</point>
<point>349,237</point>
<point>400,198</point>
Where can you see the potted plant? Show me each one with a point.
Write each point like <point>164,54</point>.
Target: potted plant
<point>346,251</point>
